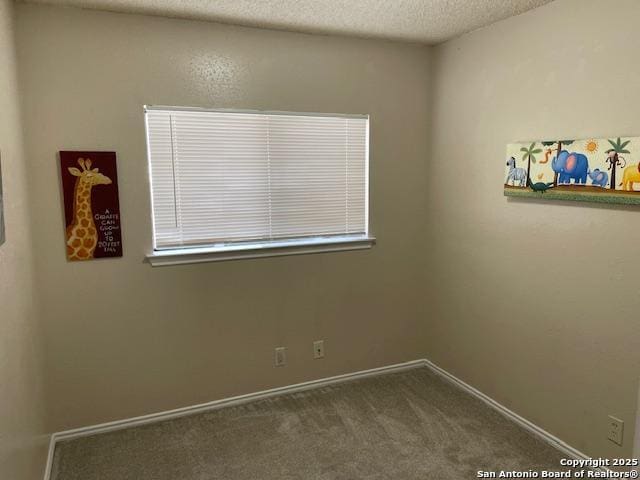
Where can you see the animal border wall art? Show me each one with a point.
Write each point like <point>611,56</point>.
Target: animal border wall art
<point>603,170</point>
<point>91,205</point>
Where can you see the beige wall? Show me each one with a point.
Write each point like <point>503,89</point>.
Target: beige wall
<point>124,339</point>
<point>512,296</point>
<point>536,304</point>
<point>22,445</point>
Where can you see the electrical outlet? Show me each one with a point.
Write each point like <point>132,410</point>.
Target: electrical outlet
<point>318,349</point>
<point>281,356</point>
<point>616,430</point>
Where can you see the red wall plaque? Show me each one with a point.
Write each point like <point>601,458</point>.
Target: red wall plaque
<point>91,205</point>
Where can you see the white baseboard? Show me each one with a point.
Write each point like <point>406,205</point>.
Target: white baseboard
<point>216,404</point>
<point>49,464</point>
<point>531,427</point>
<point>555,442</point>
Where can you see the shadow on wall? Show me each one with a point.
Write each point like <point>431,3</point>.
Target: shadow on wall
<point>572,204</point>
<point>2,236</point>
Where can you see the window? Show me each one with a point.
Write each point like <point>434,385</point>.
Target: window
<point>229,184</point>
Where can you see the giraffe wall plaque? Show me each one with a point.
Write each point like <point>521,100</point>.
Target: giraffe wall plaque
<point>91,205</point>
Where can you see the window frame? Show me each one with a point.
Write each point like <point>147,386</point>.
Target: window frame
<point>256,249</point>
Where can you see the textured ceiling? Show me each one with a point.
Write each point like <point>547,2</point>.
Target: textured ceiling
<point>424,21</point>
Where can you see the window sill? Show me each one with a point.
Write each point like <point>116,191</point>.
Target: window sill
<point>183,256</point>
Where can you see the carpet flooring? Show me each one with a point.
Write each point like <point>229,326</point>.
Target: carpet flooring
<point>410,425</point>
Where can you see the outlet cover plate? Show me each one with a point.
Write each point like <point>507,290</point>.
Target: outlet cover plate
<point>616,430</point>
<point>281,357</point>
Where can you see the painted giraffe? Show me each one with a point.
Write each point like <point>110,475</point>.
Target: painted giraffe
<point>82,236</point>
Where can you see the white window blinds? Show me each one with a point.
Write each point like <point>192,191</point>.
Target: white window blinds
<point>221,177</point>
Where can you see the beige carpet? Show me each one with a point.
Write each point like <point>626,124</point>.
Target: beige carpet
<point>409,425</point>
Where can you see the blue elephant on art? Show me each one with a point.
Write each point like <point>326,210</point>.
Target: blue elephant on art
<point>598,177</point>
<point>570,166</point>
